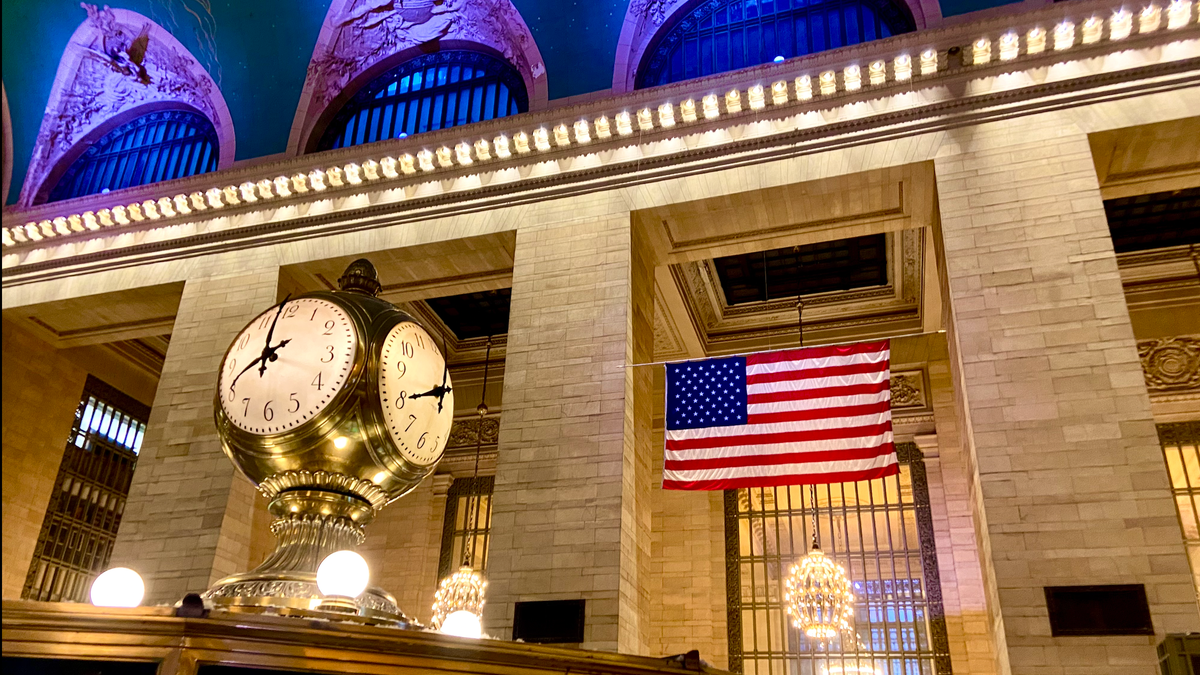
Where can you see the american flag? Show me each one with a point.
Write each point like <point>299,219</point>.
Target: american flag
<point>800,416</point>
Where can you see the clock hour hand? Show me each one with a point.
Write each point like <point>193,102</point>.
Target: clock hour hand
<point>439,391</point>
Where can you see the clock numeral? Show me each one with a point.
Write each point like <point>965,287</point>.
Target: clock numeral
<point>232,364</point>
<point>411,419</point>
<point>420,341</point>
<point>293,399</point>
<point>329,327</point>
<point>421,440</point>
<point>245,340</point>
<point>246,410</point>
<point>330,349</point>
<point>400,400</point>
<point>268,413</point>
<point>314,314</point>
<point>406,348</point>
<point>317,382</point>
<point>402,368</point>
<point>266,320</point>
<point>291,311</point>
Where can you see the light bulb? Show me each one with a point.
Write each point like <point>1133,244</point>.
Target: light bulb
<point>463,624</point>
<point>118,587</point>
<point>343,573</point>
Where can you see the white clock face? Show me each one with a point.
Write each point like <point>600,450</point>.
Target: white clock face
<point>287,365</point>
<point>416,394</point>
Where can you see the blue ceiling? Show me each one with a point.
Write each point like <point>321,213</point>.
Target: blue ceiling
<point>258,53</point>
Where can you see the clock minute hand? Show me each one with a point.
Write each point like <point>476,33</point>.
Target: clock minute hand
<point>267,351</point>
<point>233,385</point>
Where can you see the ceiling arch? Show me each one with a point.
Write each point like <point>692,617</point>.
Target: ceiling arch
<point>362,38</point>
<point>118,61</point>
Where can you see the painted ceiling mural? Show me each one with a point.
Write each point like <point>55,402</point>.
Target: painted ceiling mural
<point>258,54</point>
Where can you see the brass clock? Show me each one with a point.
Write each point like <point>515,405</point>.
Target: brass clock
<point>334,403</point>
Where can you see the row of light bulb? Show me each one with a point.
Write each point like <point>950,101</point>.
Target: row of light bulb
<point>342,574</point>
<point>665,116</point>
<point>1091,31</point>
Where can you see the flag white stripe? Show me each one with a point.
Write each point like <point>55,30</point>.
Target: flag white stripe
<point>780,427</point>
<point>818,382</point>
<point>818,403</point>
<point>824,362</point>
<point>782,448</point>
<point>770,470</point>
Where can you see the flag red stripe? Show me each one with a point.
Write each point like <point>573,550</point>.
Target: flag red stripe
<point>785,437</point>
<point>819,413</point>
<point>790,479</point>
<point>809,373</point>
<point>826,392</point>
<point>782,458</point>
<point>816,352</point>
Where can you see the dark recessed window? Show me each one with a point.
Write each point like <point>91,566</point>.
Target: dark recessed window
<point>549,621</point>
<point>161,145</point>
<point>1154,221</point>
<point>432,91</point>
<point>21,665</point>
<point>802,270</point>
<point>474,315</point>
<point>714,36</point>
<point>1099,610</point>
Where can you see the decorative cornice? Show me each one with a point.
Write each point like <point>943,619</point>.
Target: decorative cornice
<point>291,197</point>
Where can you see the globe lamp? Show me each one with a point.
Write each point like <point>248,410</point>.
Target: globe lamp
<point>118,587</point>
<point>817,596</point>
<point>342,577</point>
<point>463,624</point>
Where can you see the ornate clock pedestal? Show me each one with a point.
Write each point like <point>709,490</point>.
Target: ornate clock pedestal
<point>346,406</point>
<point>311,522</point>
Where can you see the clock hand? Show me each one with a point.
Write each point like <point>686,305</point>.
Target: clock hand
<point>262,368</point>
<point>233,384</point>
<point>271,355</point>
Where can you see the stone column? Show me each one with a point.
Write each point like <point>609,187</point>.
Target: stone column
<point>188,519</point>
<point>570,514</point>
<point>1048,385</point>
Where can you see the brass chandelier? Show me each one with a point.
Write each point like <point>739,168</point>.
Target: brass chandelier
<point>458,602</point>
<point>817,592</point>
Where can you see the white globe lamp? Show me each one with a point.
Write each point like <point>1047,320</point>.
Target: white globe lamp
<point>342,577</point>
<point>118,587</point>
<point>463,624</point>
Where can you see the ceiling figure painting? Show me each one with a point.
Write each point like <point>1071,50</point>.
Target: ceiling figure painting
<point>361,38</point>
<point>116,65</point>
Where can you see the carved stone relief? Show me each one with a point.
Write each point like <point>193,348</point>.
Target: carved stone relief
<point>117,61</point>
<point>1172,364</point>
<point>465,432</point>
<point>908,389</point>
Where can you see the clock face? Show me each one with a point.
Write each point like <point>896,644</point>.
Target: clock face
<point>415,393</point>
<point>287,365</point>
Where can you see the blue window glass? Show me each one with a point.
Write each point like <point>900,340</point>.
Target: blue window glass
<point>432,91</point>
<point>161,145</point>
<point>713,36</point>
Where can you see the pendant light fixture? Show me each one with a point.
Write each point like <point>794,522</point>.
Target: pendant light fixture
<point>458,603</point>
<point>817,593</point>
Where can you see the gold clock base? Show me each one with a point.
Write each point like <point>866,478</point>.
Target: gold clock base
<point>311,524</point>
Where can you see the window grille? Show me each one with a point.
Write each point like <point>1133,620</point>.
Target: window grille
<point>881,532</point>
<point>468,516</point>
<point>158,146</point>
<point>715,36</point>
<point>89,495</point>
<point>1181,451</point>
<point>433,91</point>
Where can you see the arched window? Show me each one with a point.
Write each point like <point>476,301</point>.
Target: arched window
<point>432,91</point>
<point>714,36</point>
<point>157,146</point>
